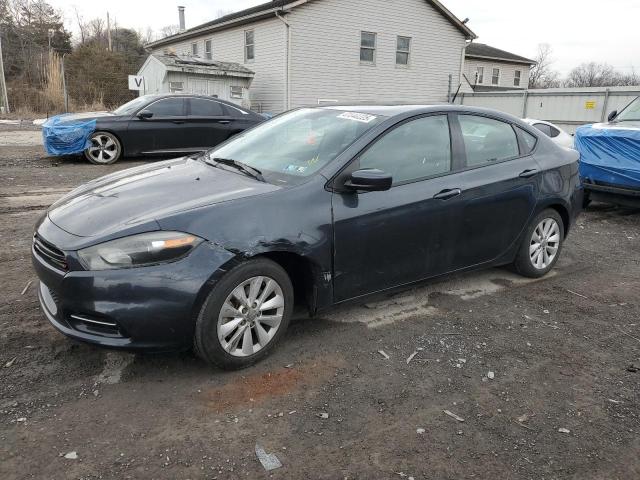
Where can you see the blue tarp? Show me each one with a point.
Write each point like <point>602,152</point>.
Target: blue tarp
<point>65,136</point>
<point>609,154</point>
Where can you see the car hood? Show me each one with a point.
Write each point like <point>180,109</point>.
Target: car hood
<point>136,196</point>
<point>84,116</point>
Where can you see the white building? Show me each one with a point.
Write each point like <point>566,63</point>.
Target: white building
<point>490,69</point>
<point>187,74</point>
<point>310,52</point>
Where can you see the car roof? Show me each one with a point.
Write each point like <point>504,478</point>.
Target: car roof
<point>406,110</point>
<point>156,96</point>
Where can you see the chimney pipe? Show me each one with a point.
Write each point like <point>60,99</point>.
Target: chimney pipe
<point>181,16</point>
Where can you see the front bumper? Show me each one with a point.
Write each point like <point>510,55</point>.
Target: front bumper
<point>151,307</point>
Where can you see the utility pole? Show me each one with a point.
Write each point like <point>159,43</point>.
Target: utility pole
<point>3,81</point>
<point>109,31</point>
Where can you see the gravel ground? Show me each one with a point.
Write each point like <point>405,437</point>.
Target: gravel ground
<point>545,374</point>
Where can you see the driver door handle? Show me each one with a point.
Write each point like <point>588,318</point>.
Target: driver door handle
<point>224,122</point>
<point>178,122</point>
<point>530,172</point>
<point>447,193</point>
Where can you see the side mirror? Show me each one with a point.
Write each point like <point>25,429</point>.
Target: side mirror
<point>144,114</point>
<point>612,115</point>
<point>369,180</point>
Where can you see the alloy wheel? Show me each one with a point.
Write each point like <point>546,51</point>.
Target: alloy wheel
<point>103,149</point>
<point>250,316</point>
<point>544,243</point>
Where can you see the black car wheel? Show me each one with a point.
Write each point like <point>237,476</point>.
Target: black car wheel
<point>245,315</point>
<point>105,148</point>
<point>541,245</point>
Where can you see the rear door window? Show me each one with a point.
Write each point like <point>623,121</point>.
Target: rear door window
<point>487,140</point>
<point>201,107</point>
<point>529,141</point>
<point>168,107</point>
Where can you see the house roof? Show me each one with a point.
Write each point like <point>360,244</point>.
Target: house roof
<point>181,63</point>
<point>268,9</point>
<point>480,50</point>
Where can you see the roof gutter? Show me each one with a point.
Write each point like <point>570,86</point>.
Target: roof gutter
<point>499,59</point>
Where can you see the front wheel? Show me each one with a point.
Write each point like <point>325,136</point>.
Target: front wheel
<point>105,148</point>
<point>541,245</point>
<point>245,315</point>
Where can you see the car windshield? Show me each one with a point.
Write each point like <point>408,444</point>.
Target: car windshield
<point>631,113</point>
<point>298,143</point>
<point>132,106</point>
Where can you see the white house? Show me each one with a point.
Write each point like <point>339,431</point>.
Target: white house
<point>172,73</point>
<point>488,68</point>
<point>310,52</point>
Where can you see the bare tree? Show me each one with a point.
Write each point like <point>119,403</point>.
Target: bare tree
<point>169,30</point>
<point>96,28</point>
<point>593,74</point>
<point>542,75</point>
<point>82,26</point>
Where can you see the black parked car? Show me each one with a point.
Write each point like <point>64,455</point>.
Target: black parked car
<point>317,206</point>
<point>164,124</point>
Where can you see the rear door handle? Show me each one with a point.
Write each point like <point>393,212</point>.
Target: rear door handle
<point>447,193</point>
<point>178,122</point>
<point>530,172</point>
<point>224,122</point>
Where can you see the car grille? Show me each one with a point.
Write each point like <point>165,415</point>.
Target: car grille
<point>50,253</point>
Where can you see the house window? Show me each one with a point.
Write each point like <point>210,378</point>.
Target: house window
<point>495,76</point>
<point>236,91</point>
<point>403,47</point>
<point>175,87</point>
<point>367,47</point>
<point>249,46</point>
<point>516,78</point>
<point>194,49</point>
<point>207,50</point>
<point>480,75</point>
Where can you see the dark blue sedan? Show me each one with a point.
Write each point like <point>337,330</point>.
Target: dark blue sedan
<point>317,206</point>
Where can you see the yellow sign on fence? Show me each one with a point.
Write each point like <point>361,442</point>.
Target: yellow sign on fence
<point>590,104</point>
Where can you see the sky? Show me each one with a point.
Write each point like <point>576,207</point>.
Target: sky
<point>577,30</point>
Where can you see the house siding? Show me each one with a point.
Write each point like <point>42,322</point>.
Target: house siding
<point>267,90</point>
<point>325,58</point>
<point>507,72</point>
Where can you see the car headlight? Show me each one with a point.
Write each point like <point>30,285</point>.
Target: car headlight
<point>138,250</point>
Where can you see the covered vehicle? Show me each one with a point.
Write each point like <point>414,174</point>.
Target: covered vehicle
<point>610,157</point>
<point>166,124</point>
<point>317,206</point>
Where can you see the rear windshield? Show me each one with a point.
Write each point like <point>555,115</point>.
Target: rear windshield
<point>298,143</point>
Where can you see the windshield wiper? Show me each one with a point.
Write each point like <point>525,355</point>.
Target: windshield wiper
<point>242,167</point>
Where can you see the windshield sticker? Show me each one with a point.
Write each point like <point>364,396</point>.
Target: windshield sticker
<point>358,117</point>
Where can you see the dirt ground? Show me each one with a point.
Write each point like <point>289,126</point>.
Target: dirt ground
<point>545,374</point>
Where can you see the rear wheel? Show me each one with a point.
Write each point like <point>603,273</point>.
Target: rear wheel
<point>245,315</point>
<point>105,148</point>
<point>541,245</point>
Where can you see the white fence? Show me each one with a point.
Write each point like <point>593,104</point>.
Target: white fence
<point>567,107</point>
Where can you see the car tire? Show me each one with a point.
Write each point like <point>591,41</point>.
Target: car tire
<point>541,245</point>
<point>105,148</point>
<point>221,337</point>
